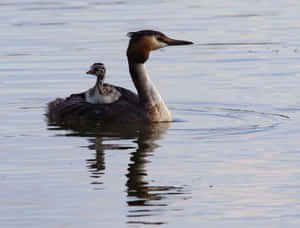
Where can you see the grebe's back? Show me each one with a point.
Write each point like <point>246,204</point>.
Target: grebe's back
<point>75,108</point>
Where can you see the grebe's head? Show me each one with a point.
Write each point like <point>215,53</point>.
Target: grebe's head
<point>144,41</point>
<point>97,69</point>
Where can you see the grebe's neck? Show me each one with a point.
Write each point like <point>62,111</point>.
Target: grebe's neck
<point>148,94</point>
<point>99,85</point>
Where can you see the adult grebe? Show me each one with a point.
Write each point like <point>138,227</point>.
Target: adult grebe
<point>147,106</point>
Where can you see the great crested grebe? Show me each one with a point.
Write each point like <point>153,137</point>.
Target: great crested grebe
<point>100,94</point>
<point>147,106</point>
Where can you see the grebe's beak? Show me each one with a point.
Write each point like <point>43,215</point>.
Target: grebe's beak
<point>172,42</point>
<point>89,72</point>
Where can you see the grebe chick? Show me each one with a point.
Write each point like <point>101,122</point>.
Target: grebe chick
<point>145,106</point>
<point>100,93</point>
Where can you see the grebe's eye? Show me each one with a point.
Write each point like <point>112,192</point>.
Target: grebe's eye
<point>159,38</point>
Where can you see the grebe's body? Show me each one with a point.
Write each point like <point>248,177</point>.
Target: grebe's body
<point>126,106</point>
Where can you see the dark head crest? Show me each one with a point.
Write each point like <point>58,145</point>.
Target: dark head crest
<point>139,34</point>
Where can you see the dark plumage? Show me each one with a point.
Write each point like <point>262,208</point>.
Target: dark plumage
<point>75,108</point>
<point>139,34</point>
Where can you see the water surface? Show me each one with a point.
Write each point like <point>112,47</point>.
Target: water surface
<point>231,156</point>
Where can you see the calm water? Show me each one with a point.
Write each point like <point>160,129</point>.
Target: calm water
<point>231,158</point>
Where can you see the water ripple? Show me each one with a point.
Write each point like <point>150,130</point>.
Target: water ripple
<point>211,122</point>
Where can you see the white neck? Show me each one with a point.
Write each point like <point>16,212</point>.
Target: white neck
<point>148,94</point>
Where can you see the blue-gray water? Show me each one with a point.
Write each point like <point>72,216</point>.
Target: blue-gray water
<point>231,158</point>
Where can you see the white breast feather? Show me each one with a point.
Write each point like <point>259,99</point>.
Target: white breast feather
<point>94,97</point>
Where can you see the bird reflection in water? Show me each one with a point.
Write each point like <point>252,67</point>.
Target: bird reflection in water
<point>144,199</point>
